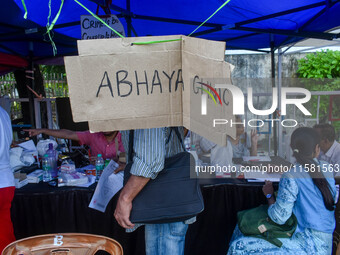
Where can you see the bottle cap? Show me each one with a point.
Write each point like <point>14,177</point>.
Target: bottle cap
<point>99,155</point>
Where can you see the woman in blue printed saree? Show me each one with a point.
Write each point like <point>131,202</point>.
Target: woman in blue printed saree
<point>310,195</point>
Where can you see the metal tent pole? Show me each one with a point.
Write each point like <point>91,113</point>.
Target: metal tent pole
<point>272,59</point>
<point>31,84</point>
<point>128,19</point>
<point>279,85</point>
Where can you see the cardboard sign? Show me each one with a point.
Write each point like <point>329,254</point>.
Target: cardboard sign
<point>116,85</point>
<point>91,28</point>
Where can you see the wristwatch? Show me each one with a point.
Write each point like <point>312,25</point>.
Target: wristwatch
<point>268,196</point>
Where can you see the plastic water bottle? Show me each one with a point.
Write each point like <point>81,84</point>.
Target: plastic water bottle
<point>99,166</point>
<point>194,153</point>
<point>52,154</point>
<point>187,143</point>
<point>46,166</point>
<point>107,162</point>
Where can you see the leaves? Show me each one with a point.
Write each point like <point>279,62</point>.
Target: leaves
<point>324,64</point>
<point>319,65</point>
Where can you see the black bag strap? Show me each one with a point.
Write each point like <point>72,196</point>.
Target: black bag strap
<point>168,139</point>
<point>178,136</point>
<point>132,136</point>
<point>131,139</point>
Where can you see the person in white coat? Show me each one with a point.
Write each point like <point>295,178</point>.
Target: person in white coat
<point>7,185</point>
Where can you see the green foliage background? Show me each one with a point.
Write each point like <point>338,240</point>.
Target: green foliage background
<point>55,80</point>
<point>52,69</point>
<point>324,67</point>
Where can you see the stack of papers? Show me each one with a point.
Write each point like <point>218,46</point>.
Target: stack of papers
<point>72,179</point>
<point>262,176</point>
<point>20,180</point>
<point>257,158</point>
<point>36,176</point>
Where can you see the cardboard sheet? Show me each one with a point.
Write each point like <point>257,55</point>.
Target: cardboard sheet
<point>116,85</point>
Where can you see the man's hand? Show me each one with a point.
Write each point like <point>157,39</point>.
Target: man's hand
<point>254,137</point>
<point>120,168</point>
<point>34,132</point>
<point>122,213</point>
<point>124,205</point>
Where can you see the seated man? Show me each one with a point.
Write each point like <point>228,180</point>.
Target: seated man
<point>105,143</point>
<point>330,148</point>
<point>219,155</point>
<point>239,144</point>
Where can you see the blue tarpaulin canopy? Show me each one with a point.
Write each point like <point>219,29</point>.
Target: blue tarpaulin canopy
<point>242,24</point>
<point>23,40</point>
<point>16,32</point>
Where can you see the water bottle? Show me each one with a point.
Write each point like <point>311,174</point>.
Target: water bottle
<point>194,153</point>
<point>187,143</point>
<point>52,154</point>
<point>46,166</point>
<point>107,162</point>
<point>99,166</point>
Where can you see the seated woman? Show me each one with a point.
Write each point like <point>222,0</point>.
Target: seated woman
<point>310,195</point>
<point>239,144</point>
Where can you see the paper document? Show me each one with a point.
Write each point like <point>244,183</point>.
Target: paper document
<point>256,158</point>
<point>28,145</point>
<point>262,176</point>
<point>109,184</point>
<point>91,180</point>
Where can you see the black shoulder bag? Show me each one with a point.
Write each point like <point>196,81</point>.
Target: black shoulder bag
<point>171,197</point>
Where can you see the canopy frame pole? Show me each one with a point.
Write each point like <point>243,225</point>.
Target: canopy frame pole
<point>279,86</point>
<point>11,51</point>
<point>242,48</point>
<point>302,34</point>
<point>31,84</point>
<point>272,61</point>
<point>278,14</point>
<point>241,37</point>
<point>145,17</point>
<point>128,18</point>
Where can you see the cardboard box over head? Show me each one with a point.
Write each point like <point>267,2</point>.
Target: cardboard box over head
<point>115,84</point>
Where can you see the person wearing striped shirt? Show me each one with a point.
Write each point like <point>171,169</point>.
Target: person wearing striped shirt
<point>150,150</point>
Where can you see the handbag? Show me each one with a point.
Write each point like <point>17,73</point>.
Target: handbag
<point>255,222</point>
<point>172,196</point>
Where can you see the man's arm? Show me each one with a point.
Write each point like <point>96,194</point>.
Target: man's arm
<point>254,140</point>
<point>58,133</point>
<point>147,162</point>
<point>124,205</point>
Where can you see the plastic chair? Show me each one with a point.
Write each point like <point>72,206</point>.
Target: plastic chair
<point>63,244</point>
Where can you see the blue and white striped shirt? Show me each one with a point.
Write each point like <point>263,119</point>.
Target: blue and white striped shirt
<point>150,152</point>
<point>151,149</point>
